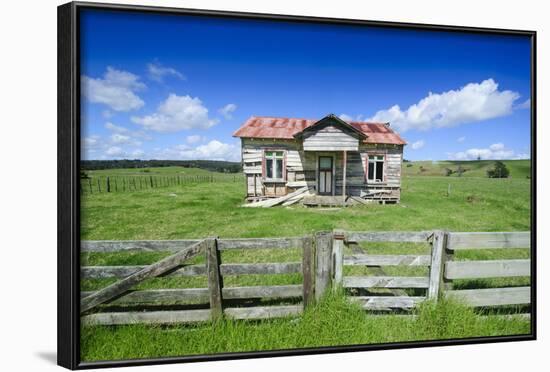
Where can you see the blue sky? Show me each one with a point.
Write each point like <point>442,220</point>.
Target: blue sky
<point>177,87</point>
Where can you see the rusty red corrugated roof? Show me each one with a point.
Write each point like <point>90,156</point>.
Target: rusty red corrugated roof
<point>286,128</point>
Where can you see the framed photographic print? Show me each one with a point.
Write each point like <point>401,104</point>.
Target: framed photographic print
<point>236,185</point>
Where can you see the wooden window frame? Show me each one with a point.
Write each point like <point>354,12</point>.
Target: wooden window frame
<point>384,170</point>
<point>264,170</point>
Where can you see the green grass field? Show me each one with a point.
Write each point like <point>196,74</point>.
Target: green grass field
<point>199,209</point>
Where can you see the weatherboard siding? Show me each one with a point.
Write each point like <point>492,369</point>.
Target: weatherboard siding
<point>301,168</point>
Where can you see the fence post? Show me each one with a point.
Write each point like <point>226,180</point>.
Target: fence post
<point>337,257</point>
<point>323,253</point>
<point>437,266</point>
<point>215,282</point>
<point>108,184</point>
<point>308,271</point>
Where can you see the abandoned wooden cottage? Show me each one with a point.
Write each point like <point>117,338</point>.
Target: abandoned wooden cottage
<point>334,159</point>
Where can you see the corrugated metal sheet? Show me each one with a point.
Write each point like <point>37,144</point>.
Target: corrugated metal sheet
<point>286,128</point>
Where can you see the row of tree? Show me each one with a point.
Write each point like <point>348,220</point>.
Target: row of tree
<point>211,165</point>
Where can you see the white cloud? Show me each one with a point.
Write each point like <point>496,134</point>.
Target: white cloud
<point>116,128</point>
<point>122,139</point>
<point>137,154</point>
<point>116,89</point>
<point>348,118</point>
<point>472,102</point>
<point>496,151</point>
<point>213,150</point>
<point>418,145</point>
<point>228,110</point>
<point>157,72</point>
<point>114,151</point>
<point>525,104</point>
<point>461,139</point>
<point>177,113</point>
<point>193,139</point>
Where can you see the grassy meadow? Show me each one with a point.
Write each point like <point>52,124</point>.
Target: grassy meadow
<point>200,209</point>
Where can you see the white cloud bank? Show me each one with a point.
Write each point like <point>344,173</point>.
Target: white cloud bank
<point>472,102</point>
<point>117,89</point>
<point>213,150</point>
<point>496,151</point>
<point>177,113</point>
<point>228,110</point>
<point>418,145</point>
<point>158,72</point>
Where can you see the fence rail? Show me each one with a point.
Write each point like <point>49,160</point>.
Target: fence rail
<point>324,258</point>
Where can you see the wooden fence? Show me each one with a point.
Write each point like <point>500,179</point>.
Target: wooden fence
<point>324,259</point>
<point>93,184</point>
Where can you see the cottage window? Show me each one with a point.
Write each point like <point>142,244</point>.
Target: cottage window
<point>375,168</point>
<point>274,165</point>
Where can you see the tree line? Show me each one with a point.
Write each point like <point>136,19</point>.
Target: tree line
<point>211,165</point>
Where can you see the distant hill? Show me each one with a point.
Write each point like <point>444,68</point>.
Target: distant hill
<point>473,168</point>
<point>210,165</point>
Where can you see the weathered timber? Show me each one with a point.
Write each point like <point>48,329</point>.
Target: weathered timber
<point>492,296</point>
<point>387,260</point>
<point>263,312</point>
<point>479,240</point>
<point>337,257</point>
<point>388,236</point>
<point>487,269</point>
<point>215,283</point>
<point>308,271</point>
<point>96,272</point>
<point>147,317</point>
<point>259,243</point>
<point>387,302</point>
<point>274,201</point>
<point>150,271</point>
<point>201,295</point>
<point>323,253</point>
<point>138,245</point>
<point>437,264</point>
<point>385,282</point>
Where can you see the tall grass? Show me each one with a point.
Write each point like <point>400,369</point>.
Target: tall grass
<point>333,322</point>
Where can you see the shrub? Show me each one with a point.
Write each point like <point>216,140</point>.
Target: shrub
<point>499,171</point>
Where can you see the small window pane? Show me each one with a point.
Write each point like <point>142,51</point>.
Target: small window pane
<point>379,170</point>
<point>279,153</point>
<point>325,163</point>
<point>371,171</point>
<point>269,153</point>
<point>279,169</point>
<point>269,168</point>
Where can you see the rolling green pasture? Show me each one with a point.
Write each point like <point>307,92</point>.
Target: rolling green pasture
<point>201,209</point>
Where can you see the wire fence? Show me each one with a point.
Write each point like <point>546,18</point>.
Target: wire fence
<point>103,184</point>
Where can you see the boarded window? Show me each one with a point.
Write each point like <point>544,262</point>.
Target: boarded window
<point>274,165</point>
<point>375,172</point>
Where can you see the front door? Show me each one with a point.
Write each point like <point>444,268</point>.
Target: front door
<point>326,165</point>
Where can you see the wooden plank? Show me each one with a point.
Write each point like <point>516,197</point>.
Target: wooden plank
<point>150,271</point>
<point>274,201</point>
<point>149,317</point>
<point>487,269</point>
<point>344,170</point>
<point>437,265</point>
<point>337,258</point>
<point>215,283</point>
<point>387,260</point>
<point>201,295</point>
<point>388,236</point>
<point>492,296</point>
<point>97,272</point>
<point>385,282</point>
<point>308,271</point>
<point>137,245</point>
<point>260,243</point>
<point>323,252</point>
<point>387,302</point>
<point>263,312</point>
<point>159,296</point>
<point>480,240</point>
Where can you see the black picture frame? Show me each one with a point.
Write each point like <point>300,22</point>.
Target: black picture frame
<point>68,322</point>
